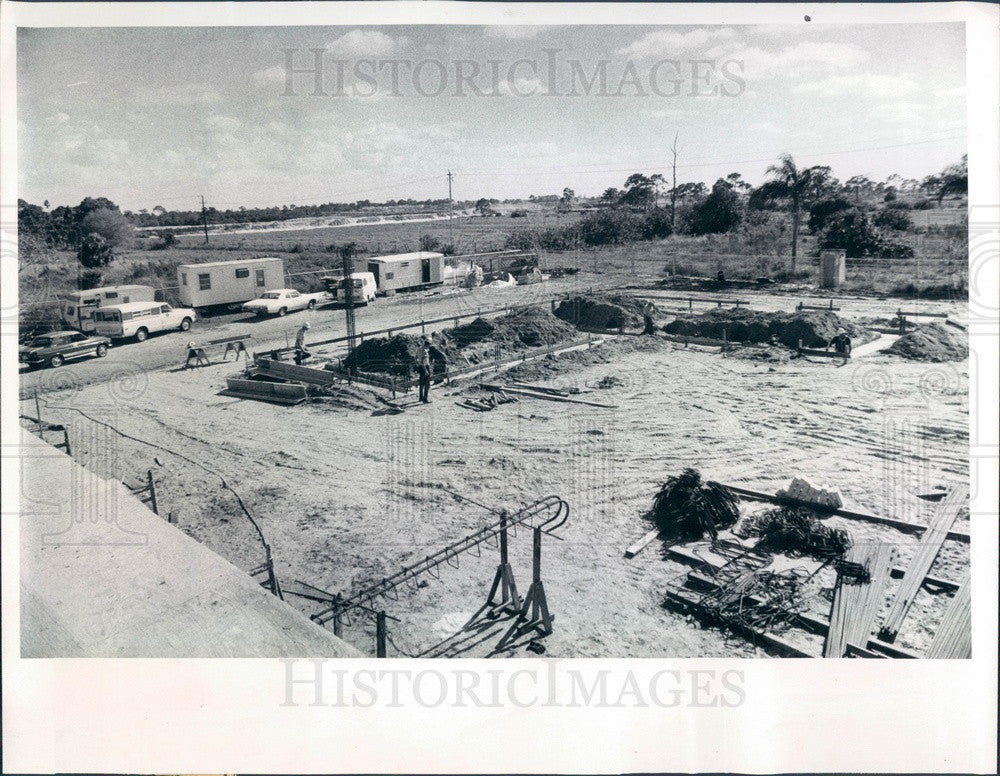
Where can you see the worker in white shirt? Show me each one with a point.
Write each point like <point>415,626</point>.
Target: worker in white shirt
<point>301,354</point>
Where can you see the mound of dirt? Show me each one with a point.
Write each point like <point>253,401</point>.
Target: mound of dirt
<point>601,311</point>
<point>814,328</point>
<point>350,397</point>
<point>470,343</point>
<point>931,342</point>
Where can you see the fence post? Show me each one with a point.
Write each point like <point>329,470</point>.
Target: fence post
<point>152,491</point>
<point>380,634</point>
<point>69,452</point>
<point>337,626</point>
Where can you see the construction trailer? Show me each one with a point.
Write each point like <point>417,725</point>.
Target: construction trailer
<point>76,309</point>
<point>228,283</point>
<point>407,271</point>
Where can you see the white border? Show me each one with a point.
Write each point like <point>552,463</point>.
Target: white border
<point>802,715</point>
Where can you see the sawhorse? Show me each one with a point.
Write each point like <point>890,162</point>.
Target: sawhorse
<point>504,580</point>
<point>534,613</point>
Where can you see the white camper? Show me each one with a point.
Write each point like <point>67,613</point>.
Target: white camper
<point>228,283</point>
<point>405,271</point>
<point>77,308</point>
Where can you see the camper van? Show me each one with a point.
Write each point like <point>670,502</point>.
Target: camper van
<point>77,308</point>
<point>363,288</point>
<point>406,271</point>
<point>140,319</point>
<point>228,283</point>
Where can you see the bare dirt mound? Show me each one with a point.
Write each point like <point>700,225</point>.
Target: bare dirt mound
<point>931,342</point>
<point>351,397</point>
<point>814,328</point>
<point>470,343</point>
<point>601,311</point>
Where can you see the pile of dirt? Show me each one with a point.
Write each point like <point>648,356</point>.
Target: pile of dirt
<point>398,355</point>
<point>351,397</point>
<point>814,328</point>
<point>609,352</point>
<point>601,311</point>
<point>932,342</point>
<point>471,343</point>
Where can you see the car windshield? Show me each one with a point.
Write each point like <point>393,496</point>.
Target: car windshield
<point>41,342</point>
<point>271,295</point>
<point>355,283</point>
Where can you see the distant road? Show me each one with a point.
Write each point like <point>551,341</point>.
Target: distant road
<point>170,348</point>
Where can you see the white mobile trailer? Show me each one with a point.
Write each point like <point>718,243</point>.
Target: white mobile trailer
<point>77,308</point>
<point>218,283</point>
<point>405,271</point>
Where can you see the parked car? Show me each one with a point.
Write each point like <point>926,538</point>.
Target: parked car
<point>363,287</point>
<point>140,319</point>
<point>54,348</point>
<point>283,300</point>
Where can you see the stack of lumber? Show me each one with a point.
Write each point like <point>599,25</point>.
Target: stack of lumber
<point>539,392</point>
<point>488,404</point>
<point>923,559</point>
<point>858,596</point>
<point>953,639</point>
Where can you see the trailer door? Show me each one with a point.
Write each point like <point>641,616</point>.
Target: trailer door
<point>373,268</point>
<point>425,271</point>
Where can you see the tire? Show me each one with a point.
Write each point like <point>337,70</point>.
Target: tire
<point>56,361</point>
<point>186,324</point>
<point>142,334</point>
<point>282,312</point>
<point>312,304</point>
<point>101,351</point>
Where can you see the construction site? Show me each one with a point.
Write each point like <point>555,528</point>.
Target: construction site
<point>602,469</point>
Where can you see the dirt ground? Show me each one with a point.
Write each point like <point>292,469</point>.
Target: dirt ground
<point>345,498</point>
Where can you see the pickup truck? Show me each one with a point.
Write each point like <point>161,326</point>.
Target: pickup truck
<point>284,300</point>
<point>54,348</point>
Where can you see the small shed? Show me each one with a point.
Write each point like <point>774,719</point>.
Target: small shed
<point>407,271</point>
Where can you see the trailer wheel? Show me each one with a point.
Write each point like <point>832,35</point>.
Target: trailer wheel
<point>185,324</point>
<point>142,334</point>
<point>282,312</point>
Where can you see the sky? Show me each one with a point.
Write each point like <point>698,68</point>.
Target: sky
<point>161,116</point>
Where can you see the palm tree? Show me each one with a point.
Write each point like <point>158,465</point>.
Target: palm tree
<point>791,183</point>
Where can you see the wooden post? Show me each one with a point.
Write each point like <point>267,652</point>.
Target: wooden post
<point>725,340</point>
<point>380,634</point>
<point>338,627</point>
<point>151,485</point>
<point>69,452</point>
<point>38,412</point>
<point>690,305</point>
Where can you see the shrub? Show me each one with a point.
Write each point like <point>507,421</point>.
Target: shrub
<point>718,213</point>
<point>429,242</point>
<point>923,204</point>
<point>892,218</point>
<point>518,213</point>
<point>899,204</point>
<point>609,227</point>
<point>656,224</point>
<point>95,251</point>
<point>822,211</point>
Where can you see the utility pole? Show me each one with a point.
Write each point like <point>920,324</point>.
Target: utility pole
<point>451,211</point>
<point>673,191</point>
<point>204,218</point>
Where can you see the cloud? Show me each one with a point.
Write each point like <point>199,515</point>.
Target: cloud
<point>767,126</point>
<point>901,112</point>
<point>668,43</point>
<point>859,84</point>
<point>514,31</point>
<point>179,96</point>
<point>269,76</point>
<point>223,123</point>
<point>364,43</point>
<point>796,61</point>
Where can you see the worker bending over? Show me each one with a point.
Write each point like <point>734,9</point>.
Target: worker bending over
<point>841,343</point>
<point>301,354</point>
<point>647,318</point>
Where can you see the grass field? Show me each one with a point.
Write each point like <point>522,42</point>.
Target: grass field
<point>940,269</point>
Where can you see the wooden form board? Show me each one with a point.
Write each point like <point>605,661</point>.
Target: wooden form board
<point>902,525</point>
<point>856,603</point>
<point>923,559</point>
<point>953,639</point>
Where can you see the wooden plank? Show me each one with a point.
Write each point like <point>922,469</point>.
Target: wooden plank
<point>915,314</point>
<point>545,396</point>
<point>638,546</point>
<point>956,324</point>
<point>902,525</point>
<point>304,374</point>
<point>923,559</point>
<point>707,341</point>
<point>856,603</point>
<point>824,353</point>
<point>953,639</point>
<point>853,650</point>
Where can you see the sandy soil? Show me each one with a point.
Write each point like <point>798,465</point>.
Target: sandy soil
<point>345,498</point>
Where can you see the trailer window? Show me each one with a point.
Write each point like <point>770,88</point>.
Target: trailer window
<point>184,278</point>
<point>260,278</point>
<point>111,294</point>
<point>204,282</point>
<point>242,273</point>
<point>389,275</point>
<point>70,310</point>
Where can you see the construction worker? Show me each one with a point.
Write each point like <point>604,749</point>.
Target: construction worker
<point>425,370</point>
<point>301,354</point>
<point>647,318</point>
<point>841,343</point>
